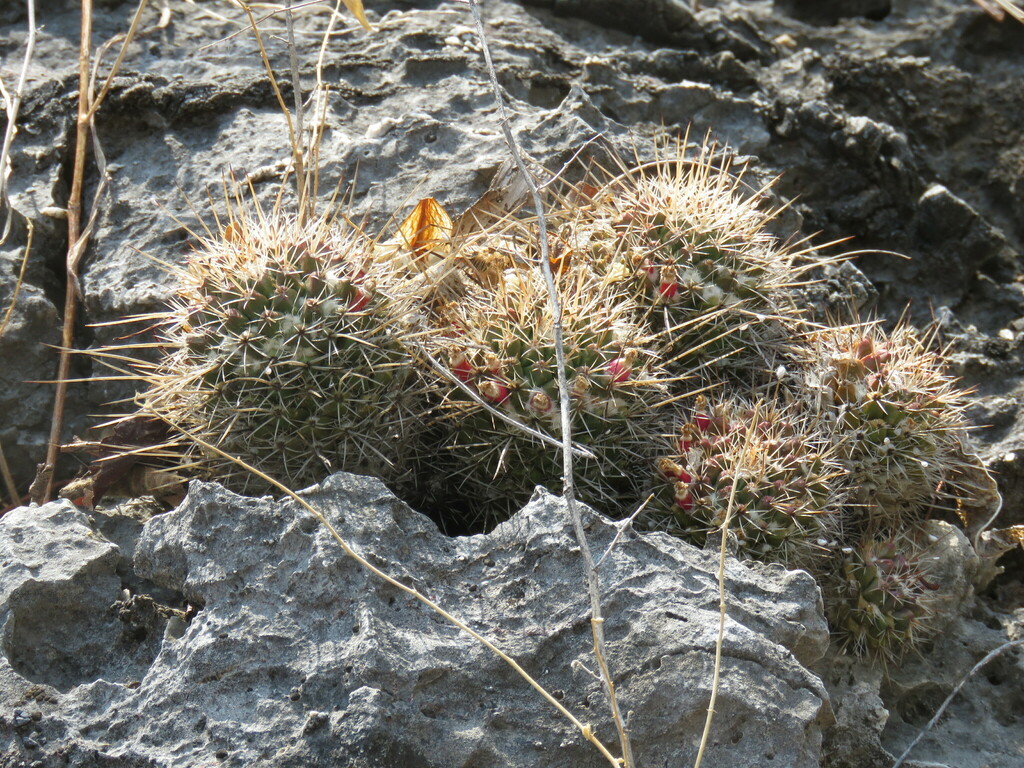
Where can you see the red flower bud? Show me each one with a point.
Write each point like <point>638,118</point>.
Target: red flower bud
<point>359,300</point>
<point>684,500</point>
<point>494,391</point>
<point>462,368</point>
<point>618,370</point>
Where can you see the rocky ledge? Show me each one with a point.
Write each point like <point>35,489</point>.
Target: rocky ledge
<point>247,637</point>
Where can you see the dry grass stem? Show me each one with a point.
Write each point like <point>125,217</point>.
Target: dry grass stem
<point>998,9</point>
<point>584,728</point>
<point>722,557</point>
<point>299,148</point>
<point>623,526</point>
<point>12,103</point>
<point>5,470</point>
<point>21,278</point>
<point>77,236</point>
<point>292,140</point>
<point>593,582</point>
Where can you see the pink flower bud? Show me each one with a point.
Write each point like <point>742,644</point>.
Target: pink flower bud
<point>864,348</point>
<point>462,368</point>
<point>360,299</point>
<point>684,500</point>
<point>670,470</point>
<point>494,391</point>
<point>619,370</point>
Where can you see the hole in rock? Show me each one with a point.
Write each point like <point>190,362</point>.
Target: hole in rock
<point>918,705</point>
<point>66,634</point>
<point>547,94</point>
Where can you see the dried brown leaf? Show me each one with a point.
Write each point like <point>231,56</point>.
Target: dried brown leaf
<point>428,229</point>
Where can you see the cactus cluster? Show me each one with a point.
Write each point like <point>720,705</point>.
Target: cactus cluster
<point>695,252</point>
<point>778,477</point>
<point>429,360</point>
<point>286,349</point>
<point>896,416</point>
<point>498,345</point>
<point>881,597</point>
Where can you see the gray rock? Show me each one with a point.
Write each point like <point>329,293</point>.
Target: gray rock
<point>25,404</point>
<point>831,11</point>
<point>298,656</point>
<point>58,583</point>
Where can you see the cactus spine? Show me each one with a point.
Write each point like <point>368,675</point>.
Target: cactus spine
<point>284,348</point>
<point>770,463</point>
<point>498,344</point>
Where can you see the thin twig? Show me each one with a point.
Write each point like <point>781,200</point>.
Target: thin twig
<point>74,208</point>
<point>13,104</point>
<point>128,37</point>
<point>723,551</point>
<point>273,80</point>
<point>21,277</point>
<point>298,148</point>
<point>568,490</point>
<point>77,236</point>
<point>952,694</point>
<point>584,728</point>
<point>622,527</point>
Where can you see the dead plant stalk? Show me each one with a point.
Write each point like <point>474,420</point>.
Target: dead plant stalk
<point>77,236</point>
<point>568,491</point>
<point>719,641</point>
<point>12,104</point>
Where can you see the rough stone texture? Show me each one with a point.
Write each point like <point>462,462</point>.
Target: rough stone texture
<point>299,657</point>
<point>56,583</point>
<point>877,716</point>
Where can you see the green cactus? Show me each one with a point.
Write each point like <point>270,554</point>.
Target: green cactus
<point>897,418</point>
<point>498,344</point>
<point>693,248</point>
<point>284,348</point>
<point>880,602</point>
<point>773,465</point>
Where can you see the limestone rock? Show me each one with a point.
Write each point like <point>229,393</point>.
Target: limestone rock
<point>293,655</point>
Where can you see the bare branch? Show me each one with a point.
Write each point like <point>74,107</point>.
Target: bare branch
<point>568,490</point>
<point>77,236</point>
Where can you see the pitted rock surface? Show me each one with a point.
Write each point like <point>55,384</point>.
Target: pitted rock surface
<point>297,656</point>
